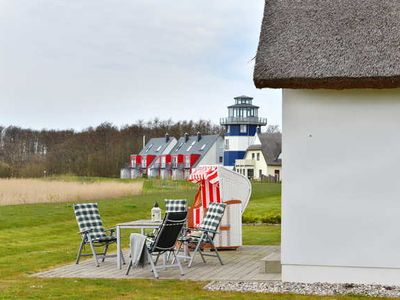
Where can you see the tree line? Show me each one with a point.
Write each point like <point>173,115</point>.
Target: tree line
<point>94,151</point>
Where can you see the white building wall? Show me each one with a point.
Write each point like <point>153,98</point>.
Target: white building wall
<point>238,143</point>
<point>213,154</point>
<point>259,164</point>
<point>341,194</point>
<point>271,171</point>
<point>125,173</point>
<point>256,165</point>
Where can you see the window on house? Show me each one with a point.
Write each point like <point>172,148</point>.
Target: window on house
<point>243,128</point>
<point>179,147</point>
<point>258,156</point>
<point>191,145</point>
<point>221,159</point>
<point>149,147</point>
<point>226,144</point>
<point>253,156</point>
<point>260,174</point>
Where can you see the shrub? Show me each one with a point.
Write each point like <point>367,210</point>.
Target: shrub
<point>32,169</point>
<point>5,170</point>
<point>267,219</point>
<point>273,219</point>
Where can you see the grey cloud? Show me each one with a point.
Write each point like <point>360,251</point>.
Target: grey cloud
<point>70,63</point>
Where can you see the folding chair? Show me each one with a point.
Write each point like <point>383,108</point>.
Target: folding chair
<point>177,205</point>
<point>205,234</point>
<point>164,242</point>
<point>92,232</point>
<point>171,205</point>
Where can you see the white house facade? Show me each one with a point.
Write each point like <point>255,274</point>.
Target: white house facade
<point>341,203</point>
<point>337,62</point>
<point>261,161</point>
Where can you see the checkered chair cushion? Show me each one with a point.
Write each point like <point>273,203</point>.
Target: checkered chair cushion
<point>176,205</point>
<point>213,217</point>
<point>88,218</point>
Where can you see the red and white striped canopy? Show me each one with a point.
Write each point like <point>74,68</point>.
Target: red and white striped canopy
<point>208,173</point>
<point>208,180</point>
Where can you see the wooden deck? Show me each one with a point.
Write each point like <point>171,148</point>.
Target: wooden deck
<point>242,264</point>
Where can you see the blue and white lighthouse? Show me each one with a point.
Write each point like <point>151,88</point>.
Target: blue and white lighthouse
<point>241,126</point>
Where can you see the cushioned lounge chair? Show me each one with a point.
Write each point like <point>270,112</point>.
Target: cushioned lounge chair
<point>93,233</point>
<point>204,234</point>
<point>164,242</point>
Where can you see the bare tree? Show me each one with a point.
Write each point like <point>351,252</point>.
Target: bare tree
<point>273,129</point>
<point>94,151</point>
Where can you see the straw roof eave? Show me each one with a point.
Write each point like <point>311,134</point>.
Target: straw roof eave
<point>340,44</point>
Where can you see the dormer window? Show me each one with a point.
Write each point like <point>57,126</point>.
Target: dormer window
<point>149,147</point>
<point>179,147</point>
<point>191,145</point>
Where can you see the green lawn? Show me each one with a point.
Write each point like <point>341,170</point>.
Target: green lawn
<point>37,237</point>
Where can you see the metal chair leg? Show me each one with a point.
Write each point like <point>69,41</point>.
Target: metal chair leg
<point>105,253</point>
<point>176,252</point>
<point>153,267</point>
<point>94,253</point>
<point>165,260</point>
<point>123,258</point>
<point>201,255</point>
<point>168,257</point>
<point>80,251</point>
<point>178,262</point>
<point>215,250</point>
<point>186,251</point>
<point>129,268</point>
<point>195,250</point>
<point>158,256</point>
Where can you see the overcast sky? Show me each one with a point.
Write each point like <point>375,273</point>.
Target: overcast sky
<point>78,63</point>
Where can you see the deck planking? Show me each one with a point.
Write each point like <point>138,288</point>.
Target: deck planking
<point>241,264</point>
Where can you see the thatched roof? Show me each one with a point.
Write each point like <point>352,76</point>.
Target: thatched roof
<point>334,44</point>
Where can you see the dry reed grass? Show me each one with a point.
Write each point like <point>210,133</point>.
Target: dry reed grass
<point>26,191</point>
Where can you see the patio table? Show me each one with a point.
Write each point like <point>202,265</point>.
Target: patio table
<point>138,224</point>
